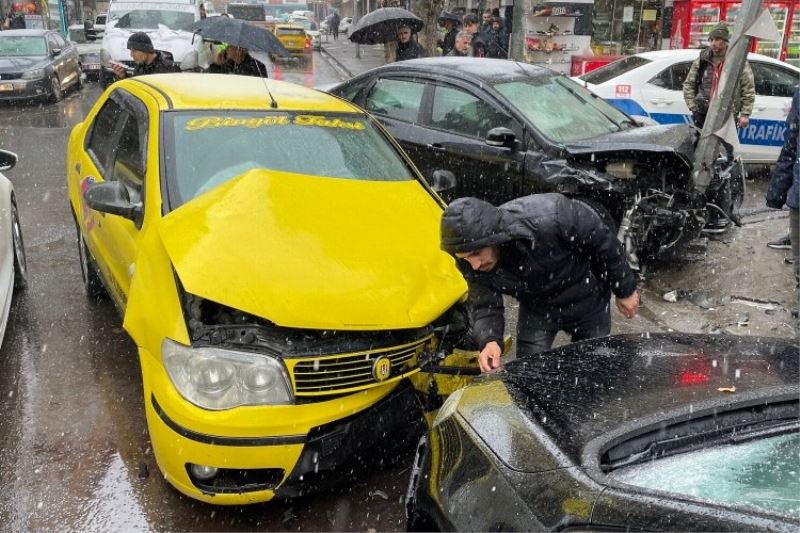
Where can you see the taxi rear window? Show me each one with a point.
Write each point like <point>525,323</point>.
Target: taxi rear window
<point>291,31</point>
<point>206,149</point>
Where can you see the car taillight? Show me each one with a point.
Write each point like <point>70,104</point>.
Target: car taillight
<point>308,42</point>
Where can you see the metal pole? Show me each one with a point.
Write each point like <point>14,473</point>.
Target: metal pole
<point>721,106</point>
<point>356,17</point>
<point>518,24</point>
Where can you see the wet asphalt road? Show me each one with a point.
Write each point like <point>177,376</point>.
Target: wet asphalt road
<point>74,450</point>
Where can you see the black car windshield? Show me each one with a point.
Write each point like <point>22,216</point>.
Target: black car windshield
<point>612,70</point>
<point>149,19</point>
<point>22,46</point>
<point>763,473</point>
<point>562,110</point>
<point>211,148</point>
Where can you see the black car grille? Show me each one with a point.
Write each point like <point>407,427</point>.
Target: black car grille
<point>334,374</point>
<point>10,75</point>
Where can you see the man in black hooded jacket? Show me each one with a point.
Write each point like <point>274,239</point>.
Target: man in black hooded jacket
<point>554,255</point>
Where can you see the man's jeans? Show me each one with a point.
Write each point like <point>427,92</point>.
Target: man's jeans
<point>534,334</point>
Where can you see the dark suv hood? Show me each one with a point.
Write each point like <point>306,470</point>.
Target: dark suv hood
<point>671,139</point>
<point>21,63</point>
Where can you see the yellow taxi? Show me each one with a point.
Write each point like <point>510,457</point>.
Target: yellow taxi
<point>275,257</point>
<point>295,39</point>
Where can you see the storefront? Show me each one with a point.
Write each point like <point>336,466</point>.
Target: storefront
<point>627,26</point>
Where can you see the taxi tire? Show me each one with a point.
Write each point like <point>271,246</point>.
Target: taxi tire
<point>20,261</point>
<point>92,282</point>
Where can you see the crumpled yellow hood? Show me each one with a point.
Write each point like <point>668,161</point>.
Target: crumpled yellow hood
<point>313,252</point>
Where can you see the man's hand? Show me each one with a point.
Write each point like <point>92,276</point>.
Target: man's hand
<point>744,120</point>
<point>119,70</point>
<point>629,306</point>
<point>489,358</point>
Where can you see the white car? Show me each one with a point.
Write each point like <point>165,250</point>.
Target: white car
<point>311,29</point>
<point>13,266</point>
<point>344,25</point>
<point>649,87</point>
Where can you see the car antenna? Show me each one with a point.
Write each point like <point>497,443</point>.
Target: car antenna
<point>272,102</point>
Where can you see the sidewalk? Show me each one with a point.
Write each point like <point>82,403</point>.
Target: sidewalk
<point>342,53</point>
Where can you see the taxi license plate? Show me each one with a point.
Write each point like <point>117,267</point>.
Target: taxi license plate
<point>6,86</point>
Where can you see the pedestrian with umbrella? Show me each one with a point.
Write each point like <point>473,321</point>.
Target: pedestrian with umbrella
<point>383,26</point>
<point>450,22</point>
<point>241,38</point>
<point>333,24</point>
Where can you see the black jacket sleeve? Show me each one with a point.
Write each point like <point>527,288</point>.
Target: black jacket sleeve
<point>783,173</point>
<point>590,237</point>
<point>486,310</point>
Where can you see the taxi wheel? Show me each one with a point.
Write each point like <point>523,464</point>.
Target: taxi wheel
<point>56,93</point>
<point>20,261</point>
<point>91,279</point>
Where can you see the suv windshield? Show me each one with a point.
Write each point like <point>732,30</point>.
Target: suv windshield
<point>612,70</point>
<point>214,147</point>
<point>562,110</point>
<point>23,46</point>
<point>763,473</point>
<point>149,19</point>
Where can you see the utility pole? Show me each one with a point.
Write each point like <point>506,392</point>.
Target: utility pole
<point>720,110</point>
<point>356,17</point>
<point>517,46</point>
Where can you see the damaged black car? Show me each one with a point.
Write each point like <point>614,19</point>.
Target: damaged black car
<point>508,129</point>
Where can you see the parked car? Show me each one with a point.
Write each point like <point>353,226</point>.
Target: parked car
<point>89,50</point>
<point>165,22</point>
<point>37,64</point>
<point>279,339</point>
<point>509,129</point>
<point>296,41</point>
<point>344,25</point>
<point>99,25</point>
<point>663,432</point>
<point>13,264</point>
<point>650,86</point>
<point>311,29</point>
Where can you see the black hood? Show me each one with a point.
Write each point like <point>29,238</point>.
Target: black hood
<point>671,141</point>
<point>21,63</point>
<point>470,224</point>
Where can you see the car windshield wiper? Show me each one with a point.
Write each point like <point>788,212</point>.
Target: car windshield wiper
<point>584,101</point>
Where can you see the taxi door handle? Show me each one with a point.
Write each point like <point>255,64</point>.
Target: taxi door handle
<point>760,107</point>
<point>436,147</point>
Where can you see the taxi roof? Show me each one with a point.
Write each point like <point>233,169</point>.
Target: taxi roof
<point>225,91</point>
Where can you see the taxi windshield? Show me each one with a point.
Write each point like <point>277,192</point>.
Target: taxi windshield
<point>563,110</point>
<point>212,148</point>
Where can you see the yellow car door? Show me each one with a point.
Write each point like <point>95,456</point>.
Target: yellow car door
<point>116,152</point>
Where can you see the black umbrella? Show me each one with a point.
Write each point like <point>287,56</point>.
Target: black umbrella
<point>239,33</point>
<point>446,15</point>
<point>381,25</point>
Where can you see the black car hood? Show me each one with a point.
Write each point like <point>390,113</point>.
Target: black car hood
<point>583,392</point>
<point>676,139</point>
<point>22,63</point>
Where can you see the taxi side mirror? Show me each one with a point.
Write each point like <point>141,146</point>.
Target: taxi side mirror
<point>7,160</point>
<point>112,197</point>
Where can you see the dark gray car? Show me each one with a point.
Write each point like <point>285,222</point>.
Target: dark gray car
<point>37,64</point>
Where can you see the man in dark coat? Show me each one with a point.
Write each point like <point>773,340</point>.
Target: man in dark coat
<point>554,255</point>
<point>333,24</point>
<point>497,40</point>
<point>148,60</point>
<point>478,45</point>
<point>407,46</point>
<point>237,60</point>
<point>449,40</point>
<point>784,186</point>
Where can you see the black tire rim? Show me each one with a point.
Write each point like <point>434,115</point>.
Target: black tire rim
<point>19,245</point>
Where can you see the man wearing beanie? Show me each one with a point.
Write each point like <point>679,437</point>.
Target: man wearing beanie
<point>554,255</point>
<point>148,60</point>
<point>702,83</point>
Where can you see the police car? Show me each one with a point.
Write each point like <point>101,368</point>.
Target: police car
<point>649,87</point>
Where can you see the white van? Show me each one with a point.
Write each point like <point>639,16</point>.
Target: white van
<point>167,22</point>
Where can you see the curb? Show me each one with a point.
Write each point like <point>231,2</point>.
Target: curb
<point>338,65</point>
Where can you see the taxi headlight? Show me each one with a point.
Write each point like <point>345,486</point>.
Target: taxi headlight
<point>217,378</point>
<point>35,74</point>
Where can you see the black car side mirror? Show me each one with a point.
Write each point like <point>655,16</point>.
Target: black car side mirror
<point>55,51</point>
<point>7,160</point>
<point>443,180</point>
<point>501,137</point>
<point>112,197</point>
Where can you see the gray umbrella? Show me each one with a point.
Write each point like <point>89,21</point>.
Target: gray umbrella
<point>239,33</point>
<point>381,25</point>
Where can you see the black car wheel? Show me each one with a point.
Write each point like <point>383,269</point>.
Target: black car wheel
<point>91,279</point>
<point>20,261</point>
<point>56,93</point>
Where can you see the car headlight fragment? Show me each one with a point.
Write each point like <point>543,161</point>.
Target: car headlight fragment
<point>35,74</point>
<point>218,378</point>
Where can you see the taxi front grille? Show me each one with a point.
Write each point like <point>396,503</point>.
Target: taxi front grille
<point>353,371</point>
